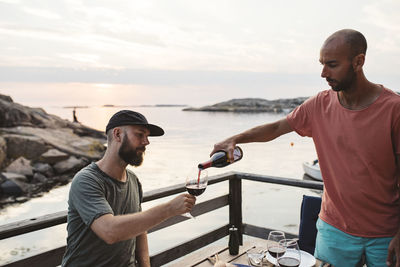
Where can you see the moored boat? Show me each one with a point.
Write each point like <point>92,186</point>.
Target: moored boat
<point>312,170</point>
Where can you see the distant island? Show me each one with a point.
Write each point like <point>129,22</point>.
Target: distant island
<point>162,106</point>
<point>148,106</point>
<point>253,105</point>
<point>75,107</point>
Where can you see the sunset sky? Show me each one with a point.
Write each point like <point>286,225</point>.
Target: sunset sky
<point>94,52</point>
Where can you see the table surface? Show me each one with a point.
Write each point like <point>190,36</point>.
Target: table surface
<point>204,257</point>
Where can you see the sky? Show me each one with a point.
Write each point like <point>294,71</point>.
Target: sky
<point>128,52</point>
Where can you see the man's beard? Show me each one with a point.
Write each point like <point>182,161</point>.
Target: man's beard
<point>344,84</point>
<point>129,155</point>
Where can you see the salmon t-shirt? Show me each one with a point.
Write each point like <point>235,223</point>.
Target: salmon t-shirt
<point>357,152</point>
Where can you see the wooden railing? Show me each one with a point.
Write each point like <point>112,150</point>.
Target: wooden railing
<point>233,199</point>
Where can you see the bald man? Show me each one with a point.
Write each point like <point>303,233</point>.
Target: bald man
<point>356,131</point>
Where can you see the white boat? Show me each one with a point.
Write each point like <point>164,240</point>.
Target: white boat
<point>312,170</point>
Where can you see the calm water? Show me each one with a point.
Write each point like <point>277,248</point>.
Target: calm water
<point>188,140</point>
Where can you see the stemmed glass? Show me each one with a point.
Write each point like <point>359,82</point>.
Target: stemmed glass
<point>273,245</point>
<point>291,255</point>
<point>196,184</point>
<point>255,256</point>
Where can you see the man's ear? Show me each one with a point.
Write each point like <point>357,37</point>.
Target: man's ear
<point>117,134</point>
<point>358,62</point>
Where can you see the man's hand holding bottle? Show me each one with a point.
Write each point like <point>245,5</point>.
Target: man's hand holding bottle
<point>228,146</point>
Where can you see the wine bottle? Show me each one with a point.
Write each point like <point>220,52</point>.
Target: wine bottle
<point>220,159</point>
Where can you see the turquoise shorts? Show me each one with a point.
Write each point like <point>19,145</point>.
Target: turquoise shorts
<point>344,250</point>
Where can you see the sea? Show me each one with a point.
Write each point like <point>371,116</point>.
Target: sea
<point>188,140</point>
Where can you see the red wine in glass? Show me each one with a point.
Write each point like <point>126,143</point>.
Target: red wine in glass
<point>275,251</point>
<point>291,257</point>
<point>196,190</point>
<point>273,247</point>
<point>196,184</point>
<point>288,262</point>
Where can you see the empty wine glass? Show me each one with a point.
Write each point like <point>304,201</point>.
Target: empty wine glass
<point>196,184</point>
<point>291,255</point>
<point>255,256</point>
<point>273,246</point>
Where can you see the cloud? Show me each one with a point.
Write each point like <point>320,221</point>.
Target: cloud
<point>84,58</point>
<point>152,35</point>
<point>253,36</point>
<point>383,15</point>
<point>47,14</point>
<point>159,86</point>
<point>10,1</point>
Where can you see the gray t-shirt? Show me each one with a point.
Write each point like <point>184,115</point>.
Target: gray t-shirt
<point>93,193</point>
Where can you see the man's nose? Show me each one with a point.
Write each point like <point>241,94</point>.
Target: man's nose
<point>146,141</point>
<point>324,72</point>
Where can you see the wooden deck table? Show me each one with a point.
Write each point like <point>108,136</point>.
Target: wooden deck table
<point>204,257</point>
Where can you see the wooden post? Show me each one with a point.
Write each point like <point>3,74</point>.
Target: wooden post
<point>235,206</point>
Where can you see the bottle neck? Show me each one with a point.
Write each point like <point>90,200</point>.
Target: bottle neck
<point>205,165</point>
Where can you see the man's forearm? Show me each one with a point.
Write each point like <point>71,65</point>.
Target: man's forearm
<point>142,250</point>
<point>113,229</point>
<point>263,133</point>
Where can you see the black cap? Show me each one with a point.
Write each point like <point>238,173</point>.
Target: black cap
<point>129,117</point>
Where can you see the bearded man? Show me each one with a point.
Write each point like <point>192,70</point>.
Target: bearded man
<point>106,224</point>
<point>356,131</point>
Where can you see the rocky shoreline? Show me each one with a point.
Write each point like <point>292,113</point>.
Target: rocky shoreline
<point>39,151</point>
<point>253,105</point>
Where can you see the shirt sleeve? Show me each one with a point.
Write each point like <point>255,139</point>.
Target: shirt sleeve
<point>87,196</point>
<point>301,117</point>
<point>140,189</point>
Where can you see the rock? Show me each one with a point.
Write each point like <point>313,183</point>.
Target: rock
<point>64,140</point>
<point>6,98</point>
<point>27,146</point>
<point>32,136</point>
<point>9,188</point>
<point>53,156</point>
<point>39,178</point>
<point>86,131</point>
<point>13,114</point>
<point>25,187</point>
<point>21,166</point>
<point>64,179</point>
<point>2,178</point>
<point>12,175</point>
<point>21,199</point>
<point>253,105</point>
<point>43,168</point>
<point>15,185</point>
<point>72,164</point>
<point>3,151</point>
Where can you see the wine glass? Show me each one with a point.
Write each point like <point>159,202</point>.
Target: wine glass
<point>255,256</point>
<point>273,246</point>
<point>291,256</point>
<point>196,184</point>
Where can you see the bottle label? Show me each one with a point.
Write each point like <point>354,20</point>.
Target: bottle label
<point>237,154</point>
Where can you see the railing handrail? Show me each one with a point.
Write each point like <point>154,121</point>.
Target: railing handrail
<point>280,180</point>
<point>233,200</point>
<point>53,219</point>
